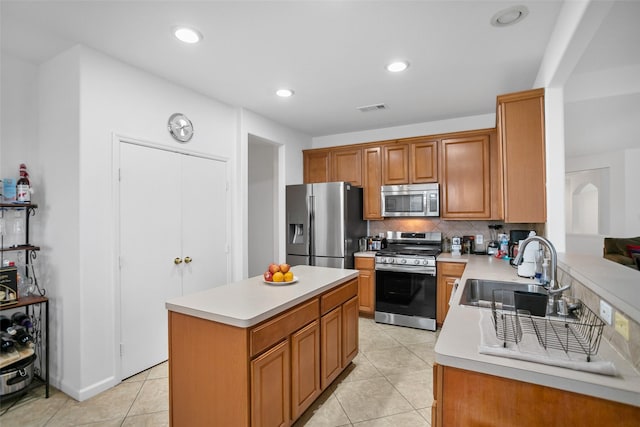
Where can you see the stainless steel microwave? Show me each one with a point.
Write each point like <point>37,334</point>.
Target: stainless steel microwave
<point>410,200</point>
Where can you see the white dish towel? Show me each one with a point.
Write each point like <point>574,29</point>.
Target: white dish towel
<point>530,350</point>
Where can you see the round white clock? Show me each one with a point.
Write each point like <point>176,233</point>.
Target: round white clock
<point>180,127</point>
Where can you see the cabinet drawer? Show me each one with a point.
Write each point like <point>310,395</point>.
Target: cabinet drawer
<point>365,263</point>
<point>454,269</point>
<point>268,334</point>
<point>334,298</point>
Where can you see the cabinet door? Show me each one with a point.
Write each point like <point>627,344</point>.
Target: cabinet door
<point>448,272</point>
<point>331,346</point>
<point>305,368</point>
<point>372,177</point>
<point>521,130</point>
<point>423,161</point>
<point>150,238</point>
<point>395,164</point>
<point>346,165</point>
<point>204,224</point>
<point>270,387</point>
<point>465,178</point>
<point>317,166</point>
<point>366,284</point>
<point>349,330</point>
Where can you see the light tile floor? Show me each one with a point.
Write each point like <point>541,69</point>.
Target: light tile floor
<point>388,384</point>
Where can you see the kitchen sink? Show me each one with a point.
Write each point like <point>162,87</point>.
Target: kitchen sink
<point>479,292</point>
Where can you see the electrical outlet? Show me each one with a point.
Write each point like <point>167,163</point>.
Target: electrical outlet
<point>622,325</point>
<point>605,312</point>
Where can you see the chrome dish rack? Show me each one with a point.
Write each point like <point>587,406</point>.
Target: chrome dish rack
<point>578,332</point>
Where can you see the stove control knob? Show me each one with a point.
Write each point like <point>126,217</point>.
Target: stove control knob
<point>403,261</point>
<point>416,262</point>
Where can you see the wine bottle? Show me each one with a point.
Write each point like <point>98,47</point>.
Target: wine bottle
<point>6,342</point>
<point>23,187</point>
<point>21,319</point>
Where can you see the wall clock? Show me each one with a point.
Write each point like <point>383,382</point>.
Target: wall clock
<point>180,127</point>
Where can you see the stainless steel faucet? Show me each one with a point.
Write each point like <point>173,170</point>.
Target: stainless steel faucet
<point>555,291</point>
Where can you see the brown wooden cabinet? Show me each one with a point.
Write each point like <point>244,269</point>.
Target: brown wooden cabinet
<point>395,164</point>
<point>338,331</point>
<point>372,180</point>
<point>317,166</point>
<point>465,177</point>
<point>350,331</point>
<point>331,333</point>
<point>305,368</point>
<point>367,284</point>
<point>270,387</point>
<point>468,398</point>
<point>346,165</point>
<point>265,375</point>
<point>448,273</point>
<point>520,124</point>
<point>423,160</point>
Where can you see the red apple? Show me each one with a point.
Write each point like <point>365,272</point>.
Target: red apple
<point>284,268</point>
<point>274,268</point>
<point>268,276</point>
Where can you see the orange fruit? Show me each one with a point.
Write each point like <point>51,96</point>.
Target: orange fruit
<point>288,276</point>
<point>278,276</point>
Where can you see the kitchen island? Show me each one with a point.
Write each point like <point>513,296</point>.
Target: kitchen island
<point>479,389</point>
<point>256,354</point>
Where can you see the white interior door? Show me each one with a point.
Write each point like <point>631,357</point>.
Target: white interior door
<point>204,223</point>
<point>150,238</point>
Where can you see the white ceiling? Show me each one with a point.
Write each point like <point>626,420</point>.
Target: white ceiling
<point>332,53</point>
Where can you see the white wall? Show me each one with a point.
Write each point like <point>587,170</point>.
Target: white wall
<point>262,205</point>
<point>290,145</point>
<point>418,129</point>
<point>19,118</point>
<point>86,98</point>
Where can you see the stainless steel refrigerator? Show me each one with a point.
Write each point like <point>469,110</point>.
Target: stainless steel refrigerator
<point>324,223</point>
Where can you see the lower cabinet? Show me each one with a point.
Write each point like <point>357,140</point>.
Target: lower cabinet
<point>270,387</point>
<point>448,273</point>
<point>469,398</point>
<point>305,368</point>
<point>367,285</point>
<point>331,346</point>
<point>263,376</point>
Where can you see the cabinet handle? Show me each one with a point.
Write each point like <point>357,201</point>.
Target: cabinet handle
<point>177,261</point>
<point>187,259</point>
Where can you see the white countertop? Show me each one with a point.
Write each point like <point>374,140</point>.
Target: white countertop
<point>250,301</point>
<point>366,254</point>
<point>458,342</point>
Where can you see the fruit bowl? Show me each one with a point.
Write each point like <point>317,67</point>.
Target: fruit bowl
<point>295,279</point>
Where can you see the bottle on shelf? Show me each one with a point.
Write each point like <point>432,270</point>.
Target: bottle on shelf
<point>21,319</point>
<point>23,186</point>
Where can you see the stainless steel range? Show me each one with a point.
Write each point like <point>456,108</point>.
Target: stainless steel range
<point>406,279</point>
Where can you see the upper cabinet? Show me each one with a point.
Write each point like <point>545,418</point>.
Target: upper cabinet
<point>465,177</point>
<point>317,166</point>
<point>395,164</point>
<point>372,176</point>
<point>424,160</point>
<point>520,123</point>
<point>346,165</point>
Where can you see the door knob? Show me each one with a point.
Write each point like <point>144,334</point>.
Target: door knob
<point>187,259</point>
<point>177,261</point>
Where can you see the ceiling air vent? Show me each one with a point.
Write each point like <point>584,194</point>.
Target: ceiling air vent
<point>373,107</point>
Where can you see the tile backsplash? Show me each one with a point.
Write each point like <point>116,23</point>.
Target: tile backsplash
<point>447,228</point>
<point>630,350</point>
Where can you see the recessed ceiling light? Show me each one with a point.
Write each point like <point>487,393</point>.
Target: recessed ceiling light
<point>509,16</point>
<point>396,67</point>
<point>284,93</point>
<point>187,35</point>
